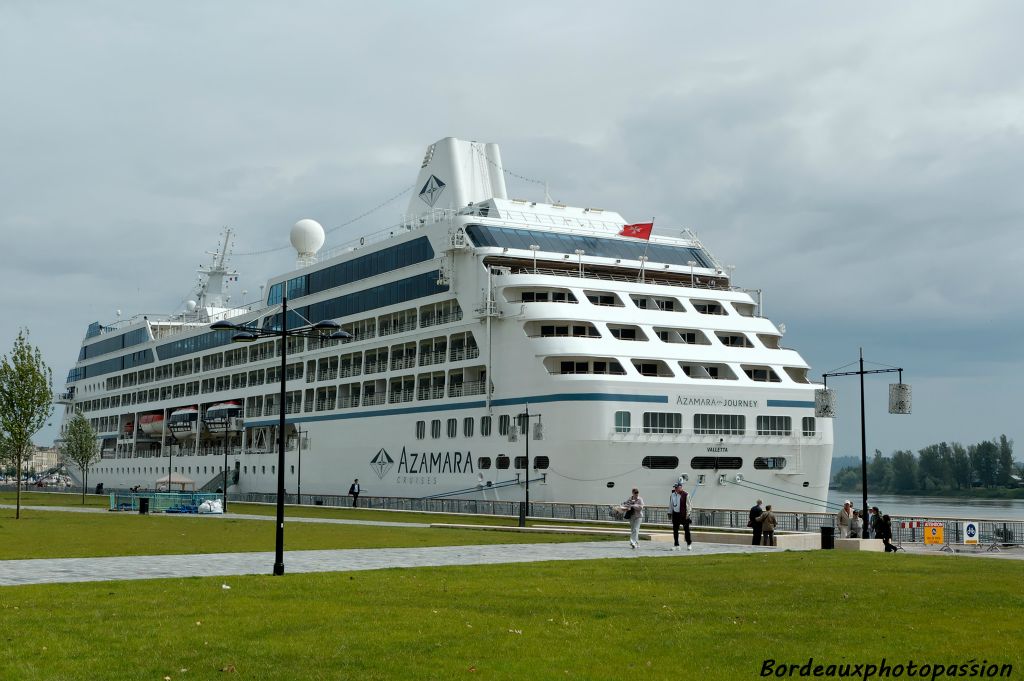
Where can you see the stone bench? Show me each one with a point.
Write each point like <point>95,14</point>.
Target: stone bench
<point>859,545</point>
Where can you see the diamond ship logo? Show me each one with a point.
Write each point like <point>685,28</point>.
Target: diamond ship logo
<point>432,190</point>
<point>381,463</point>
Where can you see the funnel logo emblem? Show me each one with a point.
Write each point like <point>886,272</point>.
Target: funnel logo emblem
<point>381,463</point>
<point>432,190</point>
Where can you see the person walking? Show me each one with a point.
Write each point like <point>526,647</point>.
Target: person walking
<point>884,531</point>
<point>353,491</point>
<point>768,524</point>
<point>635,512</point>
<point>844,518</point>
<point>679,507</point>
<point>754,524</point>
<point>873,514</point>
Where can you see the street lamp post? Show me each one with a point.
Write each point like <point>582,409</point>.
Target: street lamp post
<point>900,405</point>
<point>579,254</point>
<point>692,264</point>
<point>246,334</point>
<point>534,248</point>
<point>298,479</point>
<point>525,419</point>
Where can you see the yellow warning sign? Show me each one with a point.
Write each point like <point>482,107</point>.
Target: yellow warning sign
<point>933,533</point>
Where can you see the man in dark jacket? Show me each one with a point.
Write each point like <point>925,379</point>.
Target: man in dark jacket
<point>354,492</point>
<point>754,525</point>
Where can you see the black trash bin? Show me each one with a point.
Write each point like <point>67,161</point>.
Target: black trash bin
<point>828,539</point>
<point>143,505</point>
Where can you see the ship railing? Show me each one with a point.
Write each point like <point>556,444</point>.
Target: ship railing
<point>370,400</point>
<point>375,367</point>
<point>467,388</point>
<point>401,396</point>
<point>649,277</point>
<point>350,371</point>
<point>428,358</point>
<point>430,392</point>
<point>348,402</point>
<point>464,353</point>
<point>403,363</point>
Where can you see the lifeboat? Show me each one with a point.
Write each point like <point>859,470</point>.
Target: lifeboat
<point>218,417</point>
<point>152,424</point>
<point>184,422</point>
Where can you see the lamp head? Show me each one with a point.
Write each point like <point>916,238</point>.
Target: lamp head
<point>244,337</point>
<point>340,335</point>
<point>224,325</point>
<point>327,325</point>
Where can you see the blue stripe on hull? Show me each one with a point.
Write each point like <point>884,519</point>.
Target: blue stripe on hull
<point>791,403</point>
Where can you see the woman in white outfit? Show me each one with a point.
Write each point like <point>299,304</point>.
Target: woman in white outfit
<point>636,504</point>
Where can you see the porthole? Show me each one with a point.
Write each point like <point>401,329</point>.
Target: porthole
<point>540,463</point>
<point>609,485</point>
<point>503,462</point>
<point>483,463</point>
<point>661,463</point>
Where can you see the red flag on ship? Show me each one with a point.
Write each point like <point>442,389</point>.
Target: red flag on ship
<point>641,230</point>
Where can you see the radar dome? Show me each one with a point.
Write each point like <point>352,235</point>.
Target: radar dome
<point>191,305</point>
<point>307,237</point>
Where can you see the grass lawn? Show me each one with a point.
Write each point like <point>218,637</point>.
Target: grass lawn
<point>54,534</point>
<point>700,617</point>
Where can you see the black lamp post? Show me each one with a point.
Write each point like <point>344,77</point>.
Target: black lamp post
<point>525,419</point>
<point>898,404</point>
<point>247,334</point>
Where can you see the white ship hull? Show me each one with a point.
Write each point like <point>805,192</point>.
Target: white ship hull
<point>639,361</point>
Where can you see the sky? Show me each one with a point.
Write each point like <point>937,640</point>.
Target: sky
<point>860,164</point>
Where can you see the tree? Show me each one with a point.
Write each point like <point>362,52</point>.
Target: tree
<point>880,473</point>
<point>80,447</point>
<point>904,471</point>
<point>1005,461</point>
<point>963,474</point>
<point>26,400</point>
<point>984,461</point>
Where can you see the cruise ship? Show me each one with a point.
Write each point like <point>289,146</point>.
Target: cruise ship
<point>495,343</point>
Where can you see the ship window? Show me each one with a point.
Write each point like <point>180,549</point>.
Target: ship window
<point>467,426</point>
<point>603,299</point>
<point>651,368</point>
<point>622,419</point>
<point>541,463</point>
<point>503,422</point>
<point>485,426</point>
<point>761,374</point>
<point>503,462</point>
<point>716,463</point>
<point>774,425</point>
<point>421,430</point>
<point>435,428</point>
<point>708,307</point>
<point>734,340</point>
<point>762,463</point>
<point>520,463</point>
<point>809,426</point>
<point>661,463</point>
<point>453,427</point>
<point>719,424</point>
<point>662,422</point>
<point>483,463</point>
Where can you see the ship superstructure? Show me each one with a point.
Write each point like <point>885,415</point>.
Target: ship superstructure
<point>640,361</point>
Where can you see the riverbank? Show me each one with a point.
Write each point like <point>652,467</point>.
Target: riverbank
<point>975,493</point>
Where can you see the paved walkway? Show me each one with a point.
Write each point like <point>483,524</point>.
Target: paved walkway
<point>45,571</point>
<point>60,570</point>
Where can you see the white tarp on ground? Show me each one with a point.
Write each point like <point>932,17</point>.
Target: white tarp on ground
<point>177,482</point>
<point>211,506</point>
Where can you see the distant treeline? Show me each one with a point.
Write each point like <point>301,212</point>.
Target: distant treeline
<point>940,467</point>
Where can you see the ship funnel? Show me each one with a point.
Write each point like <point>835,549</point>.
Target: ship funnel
<point>456,173</point>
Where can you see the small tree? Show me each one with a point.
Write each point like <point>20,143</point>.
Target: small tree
<point>26,400</point>
<point>80,447</point>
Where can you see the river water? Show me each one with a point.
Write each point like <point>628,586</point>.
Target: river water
<point>943,507</point>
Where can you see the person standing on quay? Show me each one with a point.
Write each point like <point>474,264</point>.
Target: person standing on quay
<point>844,518</point>
<point>679,507</point>
<point>635,508</point>
<point>755,524</point>
<point>768,524</point>
<point>353,491</point>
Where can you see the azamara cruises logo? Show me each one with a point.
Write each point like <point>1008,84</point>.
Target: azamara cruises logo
<point>382,463</point>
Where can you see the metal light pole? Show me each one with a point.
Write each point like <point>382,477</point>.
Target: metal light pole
<point>579,254</point>
<point>692,264</point>
<point>298,482</point>
<point>247,335</point>
<point>901,405</point>
<point>224,499</point>
<point>525,419</point>
<point>534,248</point>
